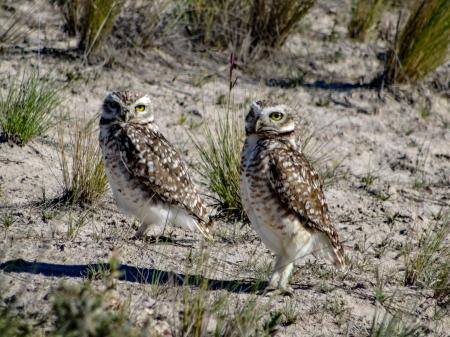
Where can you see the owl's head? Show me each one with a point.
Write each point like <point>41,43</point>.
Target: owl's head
<point>266,117</point>
<point>125,106</point>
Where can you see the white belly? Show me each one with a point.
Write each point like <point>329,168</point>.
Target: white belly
<point>282,234</point>
<point>133,201</point>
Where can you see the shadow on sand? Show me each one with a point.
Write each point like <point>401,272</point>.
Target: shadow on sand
<point>130,274</point>
<point>287,83</point>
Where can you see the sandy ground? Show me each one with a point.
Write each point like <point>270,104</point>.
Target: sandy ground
<point>385,135</point>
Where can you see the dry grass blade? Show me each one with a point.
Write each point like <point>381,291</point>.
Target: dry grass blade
<point>365,14</point>
<point>271,22</point>
<point>423,43</point>
<point>394,325</point>
<point>215,23</point>
<point>322,156</point>
<point>26,111</point>
<point>222,315</point>
<point>84,178</point>
<point>142,25</point>
<point>71,11</point>
<point>12,30</point>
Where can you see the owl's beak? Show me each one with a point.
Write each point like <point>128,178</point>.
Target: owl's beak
<point>258,124</point>
<point>126,115</point>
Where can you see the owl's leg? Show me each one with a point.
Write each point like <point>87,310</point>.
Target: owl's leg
<point>284,279</point>
<point>150,215</point>
<point>281,272</point>
<point>142,230</point>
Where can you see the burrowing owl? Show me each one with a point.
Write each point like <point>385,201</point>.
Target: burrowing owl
<point>282,194</point>
<point>148,177</point>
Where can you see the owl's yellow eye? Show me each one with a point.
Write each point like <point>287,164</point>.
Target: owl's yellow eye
<point>140,107</point>
<point>276,116</point>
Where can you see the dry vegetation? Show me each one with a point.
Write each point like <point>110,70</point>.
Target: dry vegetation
<point>423,43</point>
<point>83,173</point>
<point>93,20</point>
<point>72,12</point>
<point>249,27</point>
<point>220,157</point>
<point>365,15</point>
<point>382,156</point>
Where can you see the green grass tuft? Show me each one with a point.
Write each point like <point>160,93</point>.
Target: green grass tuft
<point>11,325</point>
<point>26,111</point>
<point>429,267</point>
<point>83,311</point>
<point>220,158</point>
<point>232,318</point>
<point>423,43</point>
<point>394,325</point>
<point>84,178</point>
<point>365,15</point>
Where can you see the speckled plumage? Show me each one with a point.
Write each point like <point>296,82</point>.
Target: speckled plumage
<point>147,175</point>
<point>282,194</point>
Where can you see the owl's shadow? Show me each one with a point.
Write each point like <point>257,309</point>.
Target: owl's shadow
<point>165,240</point>
<point>131,274</point>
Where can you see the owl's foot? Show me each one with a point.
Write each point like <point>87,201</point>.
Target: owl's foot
<point>156,239</point>
<point>286,291</point>
<point>137,237</point>
<point>140,233</point>
<point>145,238</point>
<point>279,282</point>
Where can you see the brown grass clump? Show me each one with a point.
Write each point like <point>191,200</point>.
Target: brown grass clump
<point>247,26</point>
<point>12,30</point>
<point>93,20</point>
<point>97,23</point>
<point>272,21</point>
<point>143,24</point>
<point>71,11</point>
<point>365,14</point>
<point>423,43</point>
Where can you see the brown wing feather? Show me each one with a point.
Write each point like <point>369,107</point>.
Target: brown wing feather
<point>151,159</point>
<point>302,193</point>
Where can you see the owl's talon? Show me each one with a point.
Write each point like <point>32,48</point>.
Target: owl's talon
<point>272,292</point>
<point>289,291</point>
<point>135,237</point>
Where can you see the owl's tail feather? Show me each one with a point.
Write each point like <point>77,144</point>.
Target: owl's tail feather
<point>203,227</point>
<point>339,260</point>
<point>336,256</point>
<point>206,233</point>
<point>333,253</point>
